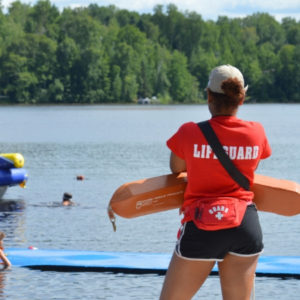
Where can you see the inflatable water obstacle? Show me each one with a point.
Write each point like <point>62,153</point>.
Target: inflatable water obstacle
<point>130,262</point>
<point>12,171</point>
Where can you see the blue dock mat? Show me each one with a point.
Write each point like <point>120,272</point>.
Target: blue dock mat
<point>129,262</point>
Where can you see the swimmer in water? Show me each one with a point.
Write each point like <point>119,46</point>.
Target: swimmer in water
<point>67,199</point>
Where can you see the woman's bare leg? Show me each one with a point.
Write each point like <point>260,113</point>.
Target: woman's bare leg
<point>237,275</point>
<point>184,278</point>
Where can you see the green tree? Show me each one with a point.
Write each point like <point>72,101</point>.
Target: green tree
<point>286,72</point>
<point>182,82</point>
<point>19,13</point>
<point>191,33</point>
<point>104,54</point>
<point>116,86</point>
<point>55,91</point>
<point>210,37</point>
<point>102,14</point>
<point>10,30</point>
<point>40,52</point>
<point>125,17</point>
<point>288,78</point>
<point>151,30</point>
<point>130,88</point>
<point>96,81</point>
<point>201,63</point>
<point>268,62</point>
<point>18,83</point>
<point>295,84</point>
<point>81,27</point>
<point>292,30</point>
<point>130,57</point>
<point>42,19</point>
<point>267,28</point>
<point>67,56</point>
<point>162,82</point>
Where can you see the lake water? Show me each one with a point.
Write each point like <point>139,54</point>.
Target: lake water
<point>110,145</point>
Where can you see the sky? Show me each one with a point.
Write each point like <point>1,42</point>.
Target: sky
<point>208,9</point>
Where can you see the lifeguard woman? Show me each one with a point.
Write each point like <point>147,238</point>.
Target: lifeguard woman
<point>236,250</point>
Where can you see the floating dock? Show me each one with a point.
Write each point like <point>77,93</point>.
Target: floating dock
<point>130,263</point>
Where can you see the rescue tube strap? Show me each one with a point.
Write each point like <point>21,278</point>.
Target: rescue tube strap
<point>112,217</point>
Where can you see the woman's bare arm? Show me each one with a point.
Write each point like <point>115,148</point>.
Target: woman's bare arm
<point>177,164</point>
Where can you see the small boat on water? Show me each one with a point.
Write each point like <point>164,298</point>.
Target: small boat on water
<point>11,171</point>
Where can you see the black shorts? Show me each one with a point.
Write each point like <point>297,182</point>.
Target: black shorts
<point>244,240</point>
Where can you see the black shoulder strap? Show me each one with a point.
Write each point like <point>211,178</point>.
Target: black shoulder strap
<point>224,159</point>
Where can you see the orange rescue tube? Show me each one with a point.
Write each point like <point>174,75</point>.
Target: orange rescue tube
<point>277,196</point>
<point>166,192</point>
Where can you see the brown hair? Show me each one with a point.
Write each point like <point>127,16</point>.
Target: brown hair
<point>234,93</point>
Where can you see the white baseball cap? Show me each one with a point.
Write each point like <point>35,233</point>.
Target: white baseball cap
<point>220,74</point>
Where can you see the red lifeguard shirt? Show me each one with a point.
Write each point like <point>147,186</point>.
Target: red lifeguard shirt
<point>244,141</point>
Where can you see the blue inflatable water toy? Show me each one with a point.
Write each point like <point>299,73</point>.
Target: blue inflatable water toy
<point>13,176</point>
<point>12,171</point>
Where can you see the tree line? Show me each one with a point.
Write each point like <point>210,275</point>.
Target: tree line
<point>99,54</point>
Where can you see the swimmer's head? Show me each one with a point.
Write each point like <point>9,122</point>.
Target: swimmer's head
<point>67,197</point>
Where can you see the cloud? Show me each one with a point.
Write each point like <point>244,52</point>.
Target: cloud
<point>208,9</point>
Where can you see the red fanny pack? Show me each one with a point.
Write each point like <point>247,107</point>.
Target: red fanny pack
<point>217,214</point>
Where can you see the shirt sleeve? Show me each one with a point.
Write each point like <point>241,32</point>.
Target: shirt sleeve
<point>175,143</point>
<point>267,151</point>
